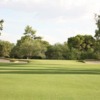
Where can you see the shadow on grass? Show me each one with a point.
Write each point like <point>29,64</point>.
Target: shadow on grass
<point>13,68</point>
<point>48,71</point>
<point>26,65</point>
<point>13,65</point>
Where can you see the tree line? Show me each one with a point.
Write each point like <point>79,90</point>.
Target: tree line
<point>34,47</point>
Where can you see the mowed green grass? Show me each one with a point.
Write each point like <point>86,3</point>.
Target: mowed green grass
<point>50,80</point>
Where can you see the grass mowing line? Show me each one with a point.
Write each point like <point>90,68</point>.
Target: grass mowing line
<point>47,80</point>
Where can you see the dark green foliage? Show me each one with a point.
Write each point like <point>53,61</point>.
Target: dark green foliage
<point>97,36</point>
<point>5,48</point>
<point>74,54</point>
<point>1,25</point>
<point>97,31</point>
<point>81,47</point>
<point>57,51</point>
<point>81,42</point>
<point>29,31</point>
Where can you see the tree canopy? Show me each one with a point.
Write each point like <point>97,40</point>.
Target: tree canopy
<point>29,31</point>
<point>1,25</point>
<point>32,46</point>
<point>97,31</point>
<point>81,42</point>
<point>5,48</point>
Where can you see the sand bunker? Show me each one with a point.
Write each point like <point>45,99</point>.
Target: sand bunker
<point>4,61</point>
<point>93,62</point>
<point>8,61</point>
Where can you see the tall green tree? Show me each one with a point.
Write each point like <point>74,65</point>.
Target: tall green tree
<point>97,31</point>
<point>30,46</point>
<point>29,31</point>
<point>5,48</point>
<point>1,25</point>
<point>81,47</point>
<point>97,36</point>
<point>81,42</point>
<point>26,47</point>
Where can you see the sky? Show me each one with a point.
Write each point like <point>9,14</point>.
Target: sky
<point>54,20</point>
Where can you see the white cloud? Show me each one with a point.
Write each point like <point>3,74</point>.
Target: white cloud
<point>54,16</point>
<point>46,9</point>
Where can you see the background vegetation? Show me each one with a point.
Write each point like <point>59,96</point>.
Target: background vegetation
<point>34,47</point>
